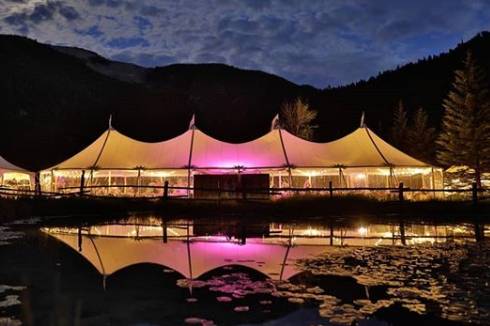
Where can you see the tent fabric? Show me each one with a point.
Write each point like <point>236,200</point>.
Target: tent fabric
<point>361,148</point>
<point>113,150</point>
<point>276,149</point>
<point>264,152</point>
<point>6,166</point>
<point>111,254</point>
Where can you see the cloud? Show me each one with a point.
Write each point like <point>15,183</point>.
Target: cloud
<point>142,23</point>
<point>69,13</point>
<point>127,42</point>
<point>312,42</point>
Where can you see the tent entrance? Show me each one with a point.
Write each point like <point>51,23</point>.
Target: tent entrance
<point>231,185</point>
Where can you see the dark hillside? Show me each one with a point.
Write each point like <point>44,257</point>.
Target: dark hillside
<point>424,83</point>
<point>55,101</point>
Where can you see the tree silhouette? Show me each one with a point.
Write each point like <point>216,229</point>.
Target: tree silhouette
<point>421,137</point>
<point>296,117</point>
<point>400,124</point>
<point>465,135</point>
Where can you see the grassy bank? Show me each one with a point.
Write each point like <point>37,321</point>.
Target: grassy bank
<point>292,207</point>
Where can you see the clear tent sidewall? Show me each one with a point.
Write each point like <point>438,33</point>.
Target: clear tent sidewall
<point>142,182</point>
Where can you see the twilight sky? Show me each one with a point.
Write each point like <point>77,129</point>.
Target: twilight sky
<point>306,41</point>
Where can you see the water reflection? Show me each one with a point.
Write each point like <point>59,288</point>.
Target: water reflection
<point>193,249</point>
<point>405,263</point>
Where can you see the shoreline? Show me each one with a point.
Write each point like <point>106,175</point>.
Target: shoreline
<point>318,207</point>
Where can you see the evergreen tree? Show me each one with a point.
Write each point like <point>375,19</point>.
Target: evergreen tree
<point>465,135</point>
<point>296,117</point>
<point>399,128</point>
<point>421,137</point>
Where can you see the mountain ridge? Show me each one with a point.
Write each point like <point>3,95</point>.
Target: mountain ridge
<point>58,99</point>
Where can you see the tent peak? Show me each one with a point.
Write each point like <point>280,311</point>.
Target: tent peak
<point>363,123</point>
<point>192,123</point>
<point>110,121</point>
<point>276,123</point>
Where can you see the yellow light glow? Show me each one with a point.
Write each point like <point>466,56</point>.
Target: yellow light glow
<point>310,173</point>
<point>412,171</point>
<point>362,231</point>
<point>311,232</point>
<point>15,176</point>
<point>383,171</point>
<point>360,176</point>
<point>163,174</point>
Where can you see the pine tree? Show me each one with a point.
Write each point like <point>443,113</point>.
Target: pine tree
<point>296,117</point>
<point>421,137</point>
<point>399,128</point>
<point>465,135</point>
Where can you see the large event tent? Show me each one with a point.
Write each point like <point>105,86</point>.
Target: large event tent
<point>360,159</point>
<point>12,176</point>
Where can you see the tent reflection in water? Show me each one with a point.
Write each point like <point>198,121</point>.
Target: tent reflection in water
<point>193,250</point>
<point>109,249</point>
<point>360,159</point>
<point>14,177</point>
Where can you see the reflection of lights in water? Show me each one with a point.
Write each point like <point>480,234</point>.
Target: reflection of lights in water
<point>384,236</point>
<point>362,231</point>
<point>311,232</point>
<point>416,240</point>
<point>457,229</point>
<point>172,230</point>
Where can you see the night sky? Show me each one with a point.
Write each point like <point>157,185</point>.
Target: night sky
<point>306,41</point>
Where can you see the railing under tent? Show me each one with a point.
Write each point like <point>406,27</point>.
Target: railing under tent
<point>141,182</point>
<point>166,192</point>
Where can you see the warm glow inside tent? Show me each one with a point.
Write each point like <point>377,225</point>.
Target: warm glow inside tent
<point>360,159</point>
<point>14,177</point>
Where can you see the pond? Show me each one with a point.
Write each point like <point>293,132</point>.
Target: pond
<point>150,270</point>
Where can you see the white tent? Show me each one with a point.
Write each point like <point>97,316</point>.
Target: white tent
<point>277,149</point>
<point>360,159</point>
<point>12,176</point>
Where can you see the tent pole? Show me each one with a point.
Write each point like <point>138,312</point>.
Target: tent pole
<point>125,183</point>
<point>82,182</point>
<point>189,259</point>
<point>286,254</point>
<point>189,163</point>
<point>103,146</point>
<point>109,181</point>
<point>433,181</point>
<point>376,146</point>
<point>91,179</point>
<point>53,182</point>
<point>138,183</point>
<point>392,177</point>
<point>340,177</point>
<point>37,184</point>
<point>286,157</point>
<point>343,180</point>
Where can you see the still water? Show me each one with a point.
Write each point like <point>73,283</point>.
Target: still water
<point>157,271</point>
